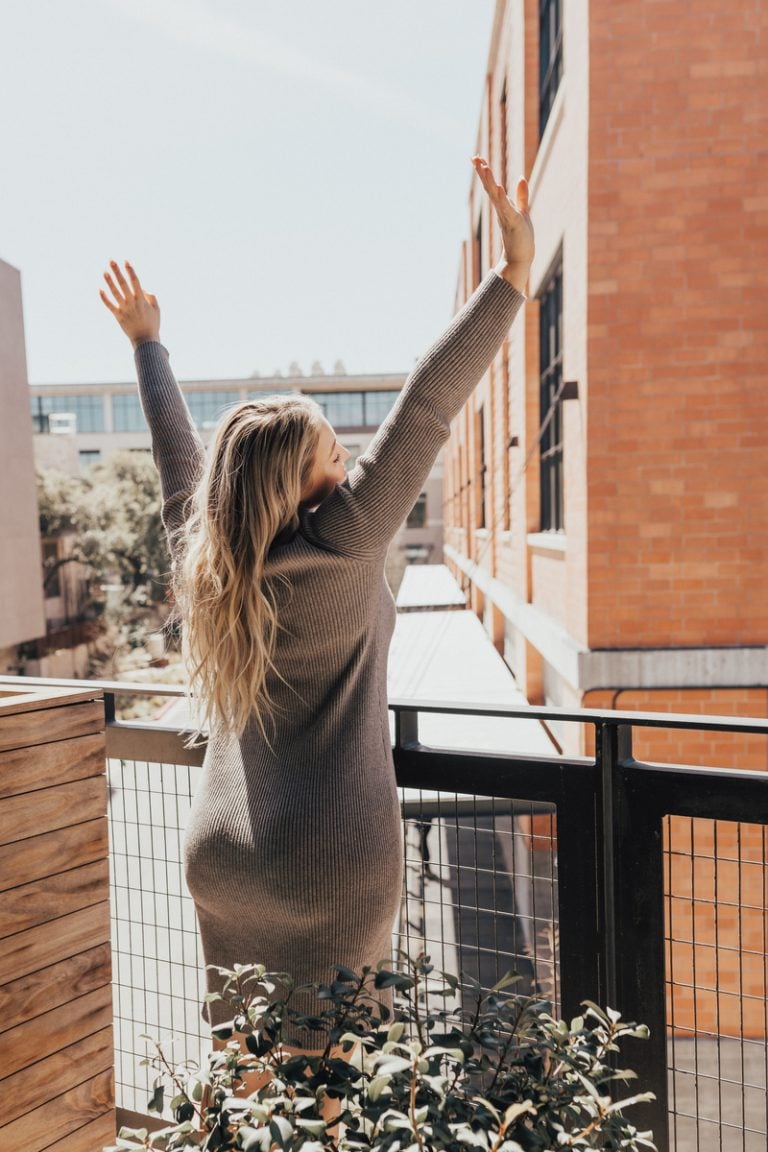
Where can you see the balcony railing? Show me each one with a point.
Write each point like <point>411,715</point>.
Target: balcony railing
<point>643,886</point>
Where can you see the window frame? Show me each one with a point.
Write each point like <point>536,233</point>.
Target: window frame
<point>551,448</point>
<point>417,517</point>
<point>550,57</point>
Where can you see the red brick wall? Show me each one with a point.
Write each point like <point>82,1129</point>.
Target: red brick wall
<point>678,340</point>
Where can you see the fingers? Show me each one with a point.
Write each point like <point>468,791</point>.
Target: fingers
<point>107,301</point>
<point>118,296</point>
<point>120,278</point>
<point>522,195</point>
<point>487,179</point>
<point>496,191</point>
<point>135,283</point>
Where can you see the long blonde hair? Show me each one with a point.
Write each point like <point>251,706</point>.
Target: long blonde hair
<point>261,459</point>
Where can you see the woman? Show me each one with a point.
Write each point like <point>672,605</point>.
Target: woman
<point>293,851</point>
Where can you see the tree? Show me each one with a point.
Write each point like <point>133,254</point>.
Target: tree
<point>113,512</point>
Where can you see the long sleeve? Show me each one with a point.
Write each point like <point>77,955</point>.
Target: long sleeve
<point>176,446</point>
<point>364,512</point>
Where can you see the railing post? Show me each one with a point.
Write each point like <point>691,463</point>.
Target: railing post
<point>613,747</point>
<point>406,728</point>
<point>633,910</point>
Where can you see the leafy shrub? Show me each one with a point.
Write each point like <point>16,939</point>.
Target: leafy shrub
<point>500,1076</point>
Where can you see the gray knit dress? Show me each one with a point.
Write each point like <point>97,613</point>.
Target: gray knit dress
<point>293,855</point>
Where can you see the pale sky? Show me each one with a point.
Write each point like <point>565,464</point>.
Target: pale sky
<point>290,177</point>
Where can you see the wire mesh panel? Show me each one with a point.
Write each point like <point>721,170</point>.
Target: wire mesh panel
<point>479,897</point>
<point>480,894</point>
<point>717,1013</point>
<point>158,972</point>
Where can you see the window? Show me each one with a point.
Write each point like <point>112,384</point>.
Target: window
<point>206,408</point>
<point>89,456</point>
<point>478,268</point>
<point>550,376</point>
<point>550,57</point>
<point>127,415</point>
<point>507,442</point>
<point>342,409</point>
<point>377,406</point>
<point>417,517</point>
<point>87,410</point>
<point>51,569</point>
<point>503,129</point>
<point>356,409</point>
<point>482,466</point>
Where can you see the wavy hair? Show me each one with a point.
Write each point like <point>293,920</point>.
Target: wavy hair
<point>260,460</point>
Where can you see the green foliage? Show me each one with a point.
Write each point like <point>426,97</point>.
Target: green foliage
<point>502,1076</point>
<point>114,513</point>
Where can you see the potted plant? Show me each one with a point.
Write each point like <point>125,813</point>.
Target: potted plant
<point>498,1073</point>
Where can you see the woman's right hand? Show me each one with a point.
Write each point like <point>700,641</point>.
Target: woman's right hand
<point>514,224</point>
<point>136,311</point>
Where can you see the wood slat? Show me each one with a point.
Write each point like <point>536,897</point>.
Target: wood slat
<point>54,896</point>
<point>51,764</point>
<point>39,947</point>
<point>36,812</point>
<point>34,1040</point>
<point>30,729</point>
<point>57,1074</point>
<point>90,1138</point>
<point>39,1129</point>
<point>30,694</point>
<point>32,995</point>
<point>79,844</point>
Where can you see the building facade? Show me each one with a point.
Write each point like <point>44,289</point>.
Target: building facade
<point>605,488</point>
<point>79,426</point>
<point>21,591</point>
<point>606,497</point>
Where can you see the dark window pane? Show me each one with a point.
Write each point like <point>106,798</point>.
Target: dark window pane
<point>206,408</point>
<point>417,517</point>
<point>550,57</point>
<point>551,411</point>
<point>87,410</point>
<point>377,406</point>
<point>342,409</point>
<point>127,415</point>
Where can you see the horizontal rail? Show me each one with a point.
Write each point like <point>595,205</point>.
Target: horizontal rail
<point>457,708</point>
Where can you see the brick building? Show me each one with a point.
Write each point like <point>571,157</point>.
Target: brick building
<point>606,500</point>
<point>618,559</point>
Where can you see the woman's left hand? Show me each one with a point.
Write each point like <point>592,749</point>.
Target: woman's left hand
<point>514,222</point>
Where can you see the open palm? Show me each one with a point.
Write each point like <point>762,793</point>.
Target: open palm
<point>514,218</point>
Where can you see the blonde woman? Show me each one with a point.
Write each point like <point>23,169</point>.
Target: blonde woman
<point>293,851</point>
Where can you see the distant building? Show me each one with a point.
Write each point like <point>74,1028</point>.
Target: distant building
<point>76,426</point>
<point>21,592</point>
<point>606,486</point>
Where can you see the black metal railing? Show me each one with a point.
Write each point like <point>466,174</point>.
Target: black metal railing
<point>638,885</point>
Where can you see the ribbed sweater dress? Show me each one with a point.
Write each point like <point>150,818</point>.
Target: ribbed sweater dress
<point>293,855</point>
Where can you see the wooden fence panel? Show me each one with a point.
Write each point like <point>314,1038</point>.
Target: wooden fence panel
<point>56,1014</point>
<point>76,845</point>
<point>25,998</point>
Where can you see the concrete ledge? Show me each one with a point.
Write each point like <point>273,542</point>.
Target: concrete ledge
<point>587,669</point>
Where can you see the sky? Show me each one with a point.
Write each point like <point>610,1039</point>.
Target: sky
<point>289,177</point>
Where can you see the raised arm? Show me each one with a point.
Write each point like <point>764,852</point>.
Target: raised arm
<point>364,512</point>
<point>176,446</point>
